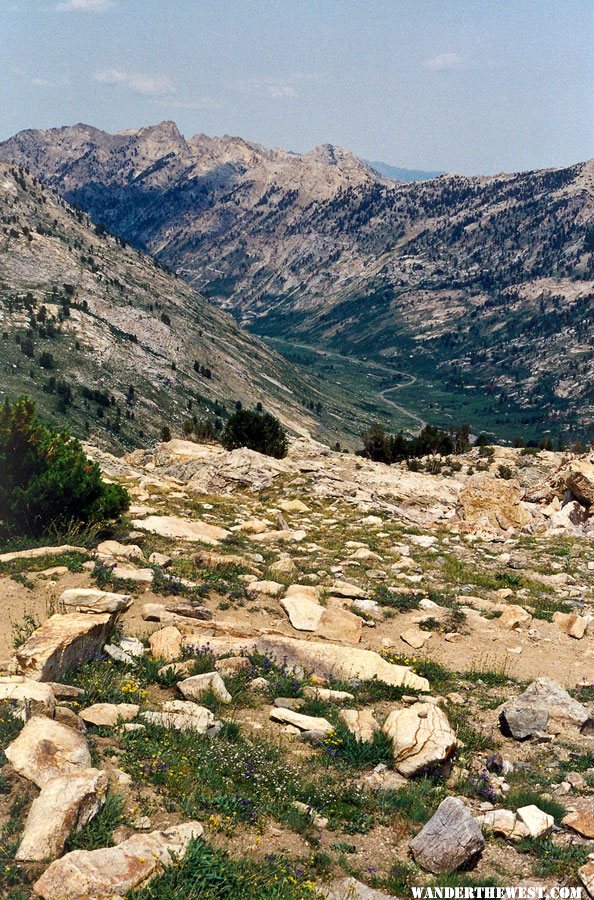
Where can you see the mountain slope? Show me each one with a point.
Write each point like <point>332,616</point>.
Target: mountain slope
<point>107,341</point>
<point>476,287</point>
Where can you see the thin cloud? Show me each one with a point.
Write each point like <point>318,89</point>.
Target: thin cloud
<point>277,89</point>
<point>48,82</point>
<point>138,82</point>
<point>443,61</point>
<point>200,103</point>
<point>92,6</point>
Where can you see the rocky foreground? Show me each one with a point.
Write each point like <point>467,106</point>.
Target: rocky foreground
<point>316,676</point>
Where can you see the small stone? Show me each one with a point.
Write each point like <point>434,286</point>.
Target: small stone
<point>581,822</point>
<point>304,723</point>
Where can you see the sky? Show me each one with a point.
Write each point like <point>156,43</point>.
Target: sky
<point>469,86</point>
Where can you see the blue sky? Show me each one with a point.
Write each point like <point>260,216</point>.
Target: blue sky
<point>461,85</point>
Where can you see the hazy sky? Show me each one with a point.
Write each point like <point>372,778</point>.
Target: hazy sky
<point>462,85</point>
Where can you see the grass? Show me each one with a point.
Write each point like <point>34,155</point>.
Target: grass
<point>22,631</point>
<point>416,802</point>
<point>99,831</point>
<point>341,746</point>
<point>522,796</point>
<point>402,602</point>
<point>104,681</point>
<point>213,875</point>
<point>242,778</point>
<point>553,859</point>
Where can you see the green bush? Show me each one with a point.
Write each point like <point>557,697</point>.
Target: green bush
<point>257,431</point>
<point>47,483</point>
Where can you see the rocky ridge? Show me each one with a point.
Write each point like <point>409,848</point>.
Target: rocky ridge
<point>489,278</point>
<point>230,681</point>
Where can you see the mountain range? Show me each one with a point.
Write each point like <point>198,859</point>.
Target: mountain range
<point>474,292</point>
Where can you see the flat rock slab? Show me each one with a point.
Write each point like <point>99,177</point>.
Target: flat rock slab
<point>586,874</point>
<point>348,591</point>
<point>109,714</point>
<point>181,715</point>
<point>304,613</point>
<point>303,723</point>
<point>421,737</point>
<point>38,552</point>
<point>268,588</point>
<point>130,573</point>
<point>322,659</point>
<point>90,600</point>
<point>66,803</point>
<point>27,697</point>
<point>114,871</point>
<point>544,706</point>
<point>193,530</point>
<point>45,749</point>
<point>61,643</point>
<point>449,841</point>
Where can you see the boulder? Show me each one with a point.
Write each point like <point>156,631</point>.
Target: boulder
<point>578,477</point>
<point>115,871</point>
<point>338,624</point>
<point>536,821</point>
<point>544,706</point>
<point>27,697</point>
<point>360,722</point>
<point>571,624</point>
<point>197,685</point>
<point>66,804</point>
<point>166,643</point>
<point>282,567</point>
<point>421,737</point>
<point>449,841</point>
<point>293,506</point>
<point>45,749</point>
<point>181,715</point>
<point>192,530</point>
<point>415,637</point>
<point>107,549</point>
<point>348,591</point>
<point>62,643</point>
<point>108,715</point>
<point>580,821</point>
<point>131,573</point>
<point>190,610</point>
<point>490,504</point>
<point>503,822</point>
<point>586,874</point>
<point>513,616</point>
<point>302,607</point>
<point>90,600</point>
<point>315,724</point>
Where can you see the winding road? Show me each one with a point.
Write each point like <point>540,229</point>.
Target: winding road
<point>366,363</point>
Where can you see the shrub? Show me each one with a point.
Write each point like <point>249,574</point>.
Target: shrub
<point>257,431</point>
<point>46,480</point>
